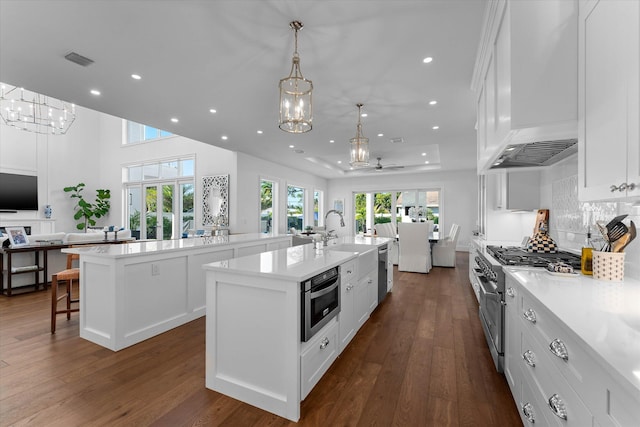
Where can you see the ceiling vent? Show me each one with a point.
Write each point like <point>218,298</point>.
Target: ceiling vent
<point>78,59</point>
<point>396,140</point>
<point>542,153</point>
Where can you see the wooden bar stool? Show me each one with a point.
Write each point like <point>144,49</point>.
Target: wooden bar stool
<point>69,275</point>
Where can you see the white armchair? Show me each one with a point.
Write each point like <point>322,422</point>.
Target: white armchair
<point>444,252</point>
<point>415,250</point>
<point>388,230</point>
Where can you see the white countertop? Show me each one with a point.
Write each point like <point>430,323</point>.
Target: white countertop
<point>139,248</point>
<point>605,315</point>
<point>296,264</point>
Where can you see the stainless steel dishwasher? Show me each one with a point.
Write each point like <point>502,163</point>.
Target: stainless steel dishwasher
<point>382,272</point>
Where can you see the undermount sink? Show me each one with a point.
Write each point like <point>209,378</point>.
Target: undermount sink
<point>367,255</point>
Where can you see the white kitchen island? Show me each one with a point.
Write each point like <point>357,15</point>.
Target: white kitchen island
<point>132,292</point>
<point>253,341</point>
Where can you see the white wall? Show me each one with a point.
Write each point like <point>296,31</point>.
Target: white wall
<point>458,202</point>
<point>59,161</point>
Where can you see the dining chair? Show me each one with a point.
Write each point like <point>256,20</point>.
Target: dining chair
<point>70,275</point>
<point>444,251</point>
<point>415,250</point>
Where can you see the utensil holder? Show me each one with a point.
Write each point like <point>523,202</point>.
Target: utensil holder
<point>608,266</point>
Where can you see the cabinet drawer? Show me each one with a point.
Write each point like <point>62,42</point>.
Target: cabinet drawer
<point>317,356</point>
<point>348,272</point>
<point>544,379</point>
<point>574,364</point>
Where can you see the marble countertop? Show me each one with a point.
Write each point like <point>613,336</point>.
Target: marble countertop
<point>604,315</point>
<point>296,263</point>
<point>140,248</point>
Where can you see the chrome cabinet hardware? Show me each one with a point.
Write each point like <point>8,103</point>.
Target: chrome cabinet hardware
<point>349,272</point>
<point>529,358</point>
<point>511,292</point>
<point>324,343</point>
<point>558,349</point>
<point>349,287</point>
<point>623,187</point>
<point>530,315</point>
<point>527,410</point>
<point>557,407</point>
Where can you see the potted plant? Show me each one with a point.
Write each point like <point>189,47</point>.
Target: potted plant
<point>85,211</point>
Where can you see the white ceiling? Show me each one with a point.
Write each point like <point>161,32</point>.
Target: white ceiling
<point>230,55</point>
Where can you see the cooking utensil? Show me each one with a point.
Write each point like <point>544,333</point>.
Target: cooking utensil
<point>616,231</point>
<point>616,220</point>
<point>621,243</point>
<point>631,235</point>
<point>605,235</point>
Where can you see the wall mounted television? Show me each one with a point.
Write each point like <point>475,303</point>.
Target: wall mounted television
<point>18,192</point>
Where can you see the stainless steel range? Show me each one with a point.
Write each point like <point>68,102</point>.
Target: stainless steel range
<point>491,284</point>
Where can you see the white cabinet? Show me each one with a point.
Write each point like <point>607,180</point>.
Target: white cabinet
<point>362,301</point>
<point>316,357</point>
<point>609,98</point>
<point>525,75</point>
<point>347,316</point>
<point>514,190</point>
<point>547,363</point>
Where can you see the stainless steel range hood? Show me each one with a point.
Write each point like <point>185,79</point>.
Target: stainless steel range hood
<point>532,154</point>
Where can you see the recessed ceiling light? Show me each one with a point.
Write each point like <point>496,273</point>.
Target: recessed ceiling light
<point>424,154</point>
<point>381,134</point>
<point>224,137</point>
<point>435,127</point>
<point>259,132</point>
<point>332,141</point>
<point>339,162</point>
<point>434,102</point>
<point>363,115</point>
<point>212,111</point>
<point>427,59</point>
<point>292,146</point>
<point>174,120</point>
<point>427,162</point>
<point>95,92</point>
<point>136,76</point>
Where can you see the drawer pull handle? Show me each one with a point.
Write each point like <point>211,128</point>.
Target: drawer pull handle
<point>557,407</point>
<point>324,343</point>
<point>528,357</point>
<point>511,292</point>
<point>558,348</point>
<point>527,410</point>
<point>348,271</point>
<point>530,315</point>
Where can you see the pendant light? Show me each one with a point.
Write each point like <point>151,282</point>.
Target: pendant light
<point>296,111</point>
<point>359,145</point>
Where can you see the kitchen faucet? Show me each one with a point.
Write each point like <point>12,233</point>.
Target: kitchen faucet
<point>336,212</point>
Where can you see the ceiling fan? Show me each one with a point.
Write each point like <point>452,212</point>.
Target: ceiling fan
<point>380,167</point>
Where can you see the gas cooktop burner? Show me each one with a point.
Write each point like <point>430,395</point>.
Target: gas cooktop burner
<point>513,255</point>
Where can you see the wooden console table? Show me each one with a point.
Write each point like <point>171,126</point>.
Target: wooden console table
<point>37,250</point>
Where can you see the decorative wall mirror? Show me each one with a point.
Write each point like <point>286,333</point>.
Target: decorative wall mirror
<point>215,200</point>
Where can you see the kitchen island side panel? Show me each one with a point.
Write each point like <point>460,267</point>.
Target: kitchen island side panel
<point>97,302</point>
<point>253,341</point>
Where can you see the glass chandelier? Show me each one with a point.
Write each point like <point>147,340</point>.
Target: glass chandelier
<point>296,111</point>
<point>34,112</point>
<point>359,145</point>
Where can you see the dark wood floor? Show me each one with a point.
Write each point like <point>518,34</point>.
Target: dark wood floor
<point>420,360</point>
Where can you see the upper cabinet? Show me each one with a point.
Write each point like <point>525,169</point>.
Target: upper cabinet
<point>526,75</point>
<point>609,98</point>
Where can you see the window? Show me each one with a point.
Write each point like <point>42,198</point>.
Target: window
<point>267,191</point>
<point>160,198</point>
<point>318,208</point>
<point>295,207</point>
<point>139,133</point>
<point>396,206</point>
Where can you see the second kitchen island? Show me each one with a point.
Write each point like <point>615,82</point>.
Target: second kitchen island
<point>254,350</point>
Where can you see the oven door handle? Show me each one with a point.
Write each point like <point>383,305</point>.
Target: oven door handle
<point>494,288</point>
<point>325,290</point>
